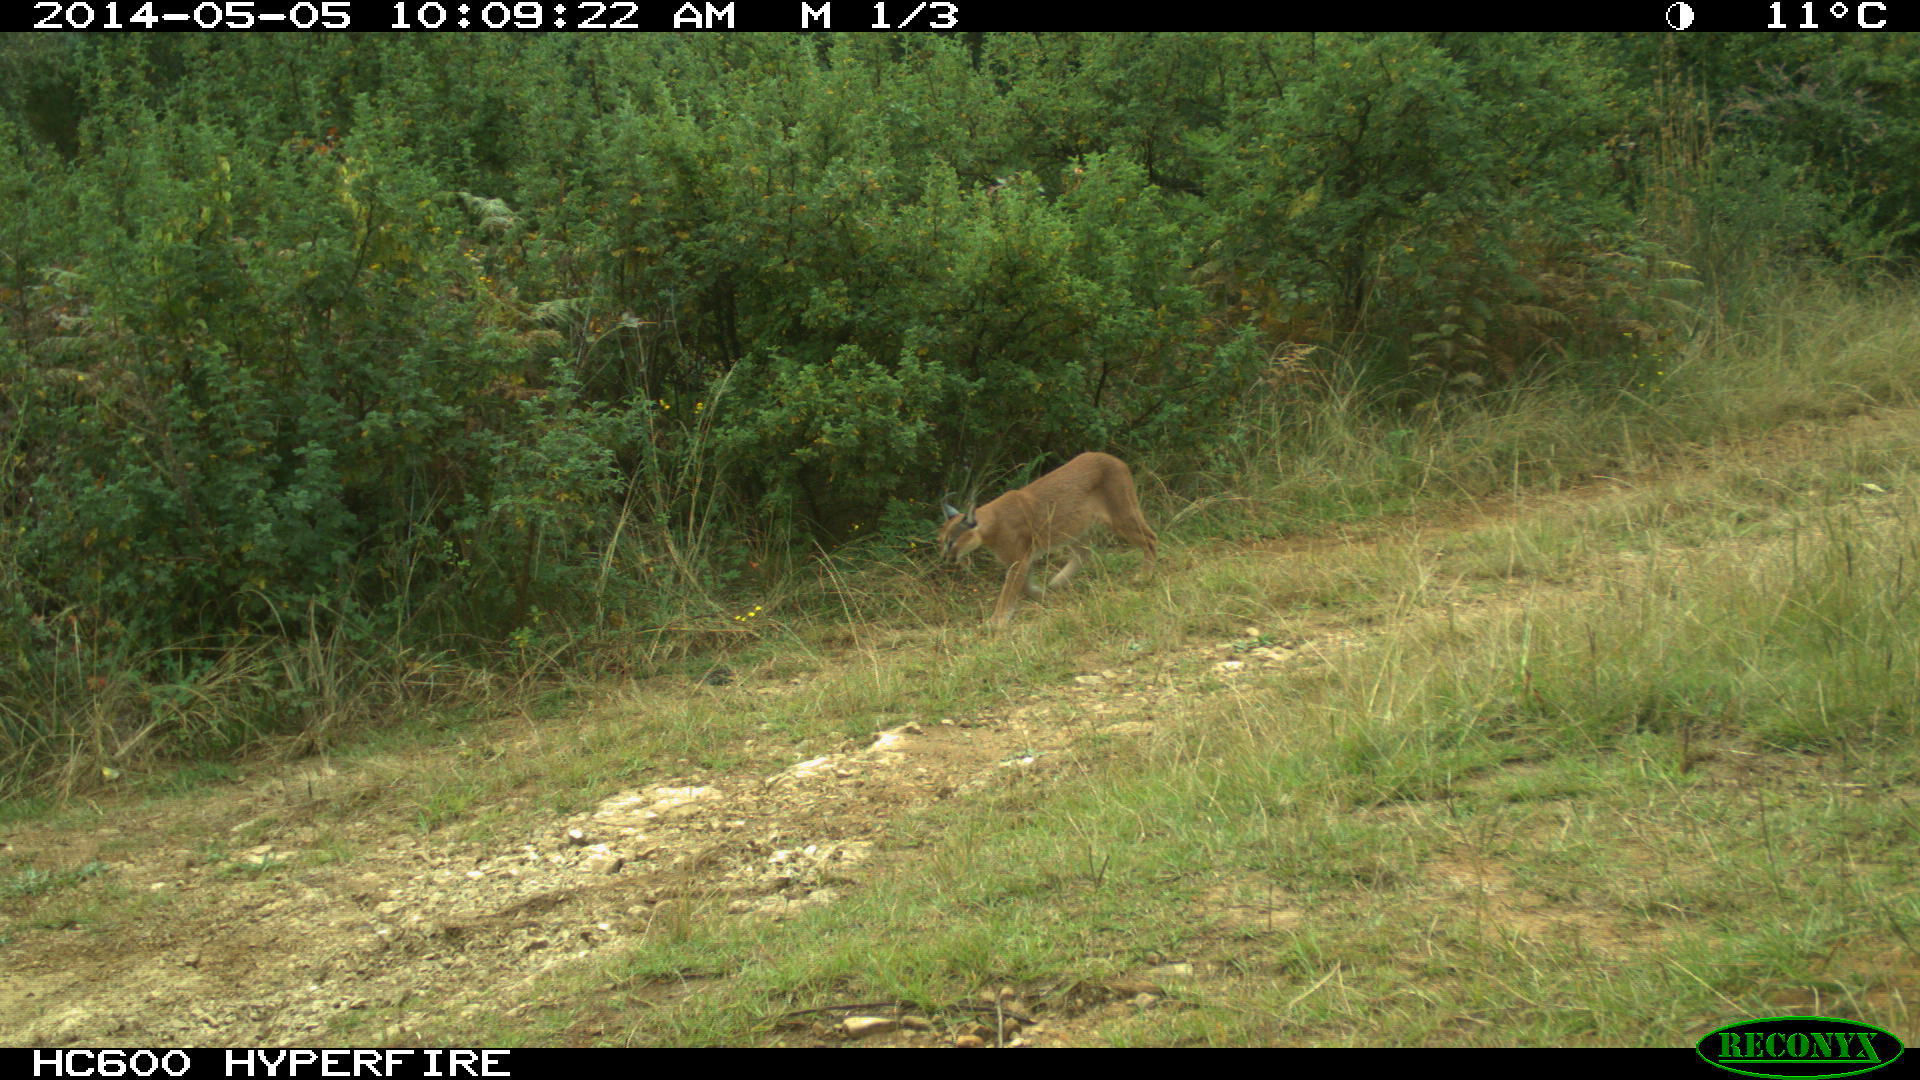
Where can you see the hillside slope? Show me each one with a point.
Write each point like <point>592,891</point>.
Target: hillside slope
<point>305,904</point>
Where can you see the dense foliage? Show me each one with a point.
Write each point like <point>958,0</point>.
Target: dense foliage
<point>405,337</point>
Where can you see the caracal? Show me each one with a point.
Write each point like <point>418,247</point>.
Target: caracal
<point>1051,512</point>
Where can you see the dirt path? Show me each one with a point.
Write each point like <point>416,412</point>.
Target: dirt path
<point>241,920</point>
<point>274,947</point>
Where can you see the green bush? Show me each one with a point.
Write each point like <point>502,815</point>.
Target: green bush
<point>429,338</point>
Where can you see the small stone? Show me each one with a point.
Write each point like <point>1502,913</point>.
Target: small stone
<point>859,1027</point>
<point>969,1042</point>
<point>603,863</point>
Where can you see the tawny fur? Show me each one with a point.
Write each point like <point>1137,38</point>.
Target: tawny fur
<point>1051,512</point>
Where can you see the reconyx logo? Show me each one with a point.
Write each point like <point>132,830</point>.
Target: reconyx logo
<point>1800,1047</point>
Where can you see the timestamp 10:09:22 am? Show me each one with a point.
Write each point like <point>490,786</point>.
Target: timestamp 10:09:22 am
<point>491,15</point>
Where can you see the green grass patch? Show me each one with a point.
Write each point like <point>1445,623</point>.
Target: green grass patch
<point>32,881</point>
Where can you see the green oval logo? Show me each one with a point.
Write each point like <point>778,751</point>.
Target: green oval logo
<point>1800,1047</point>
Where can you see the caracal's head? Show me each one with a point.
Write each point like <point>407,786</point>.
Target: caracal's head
<point>960,535</point>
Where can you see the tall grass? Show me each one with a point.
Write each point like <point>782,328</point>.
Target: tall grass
<point>1326,450</point>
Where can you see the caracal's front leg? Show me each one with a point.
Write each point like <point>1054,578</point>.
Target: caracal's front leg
<point>1076,554</point>
<point>1039,559</point>
<point>1016,583</point>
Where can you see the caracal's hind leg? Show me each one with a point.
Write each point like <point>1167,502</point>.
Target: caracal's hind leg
<point>1134,531</point>
<point>1133,528</point>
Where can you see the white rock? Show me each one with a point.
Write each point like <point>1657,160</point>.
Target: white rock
<point>861,1026</point>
